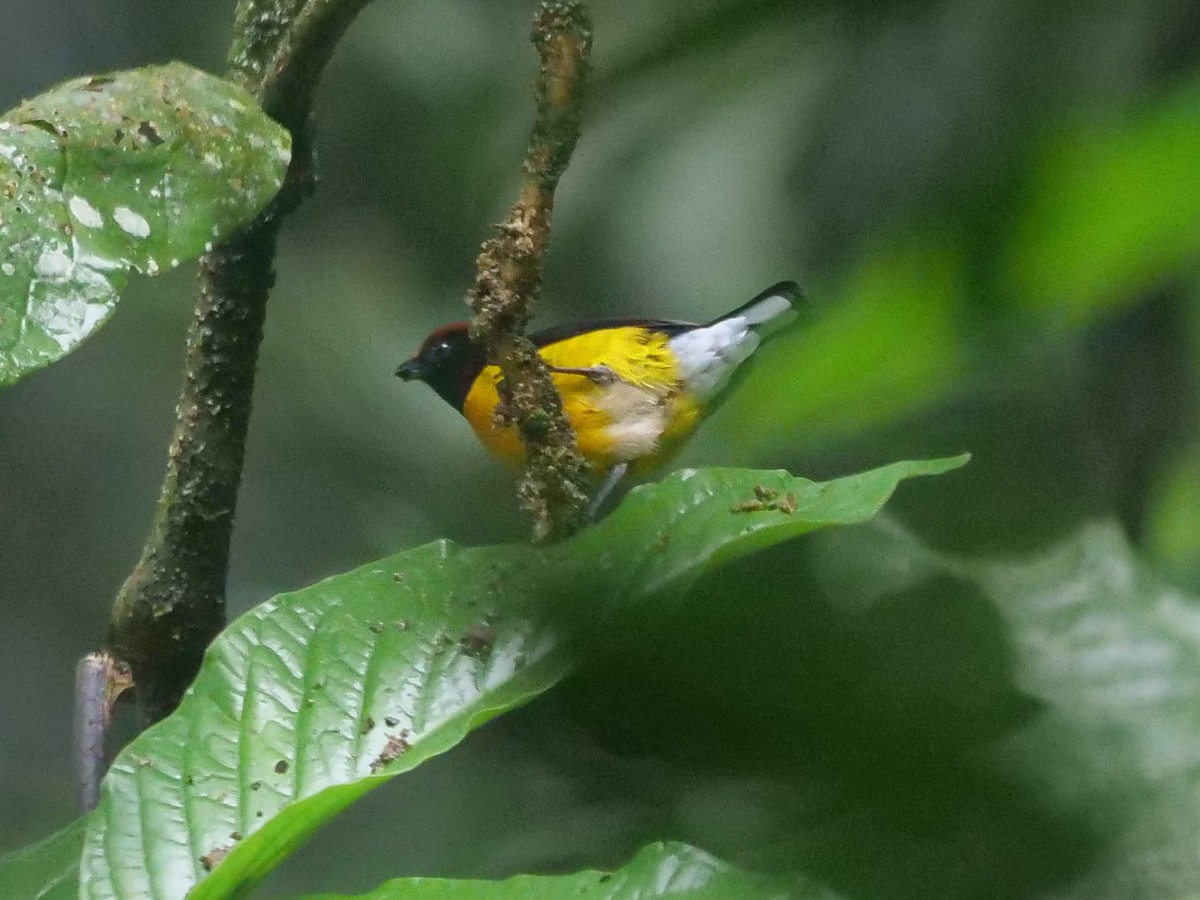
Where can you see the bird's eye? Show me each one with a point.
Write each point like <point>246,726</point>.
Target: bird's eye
<point>439,352</point>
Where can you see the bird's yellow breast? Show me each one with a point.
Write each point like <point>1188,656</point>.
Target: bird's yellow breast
<point>639,415</point>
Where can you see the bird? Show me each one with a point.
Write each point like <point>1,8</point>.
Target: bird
<point>633,389</point>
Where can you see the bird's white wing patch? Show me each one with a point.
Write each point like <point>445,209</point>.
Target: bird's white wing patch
<point>707,356</point>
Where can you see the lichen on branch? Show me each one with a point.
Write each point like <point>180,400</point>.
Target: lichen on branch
<point>557,480</point>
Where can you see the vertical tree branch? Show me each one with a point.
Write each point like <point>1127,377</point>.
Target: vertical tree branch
<point>173,603</point>
<point>557,479</point>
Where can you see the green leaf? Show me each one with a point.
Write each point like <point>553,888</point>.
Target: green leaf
<point>1092,792</point>
<point>659,870</point>
<point>315,697</point>
<point>135,170</point>
<point>47,870</point>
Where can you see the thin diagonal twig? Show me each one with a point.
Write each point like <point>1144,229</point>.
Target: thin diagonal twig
<point>557,479</point>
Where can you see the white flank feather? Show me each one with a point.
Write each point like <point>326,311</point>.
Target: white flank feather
<point>708,355</point>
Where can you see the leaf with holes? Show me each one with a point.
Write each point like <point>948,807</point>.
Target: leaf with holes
<point>316,697</point>
<point>137,170</point>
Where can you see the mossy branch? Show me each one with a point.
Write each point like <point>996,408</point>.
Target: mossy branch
<point>557,480</point>
<point>173,603</point>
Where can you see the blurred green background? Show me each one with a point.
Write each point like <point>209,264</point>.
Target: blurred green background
<point>994,207</point>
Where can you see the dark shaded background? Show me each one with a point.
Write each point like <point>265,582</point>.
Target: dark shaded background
<point>995,207</point>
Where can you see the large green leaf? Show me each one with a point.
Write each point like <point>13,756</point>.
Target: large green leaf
<point>880,679</point>
<point>660,870</point>
<point>316,697</point>
<point>134,170</point>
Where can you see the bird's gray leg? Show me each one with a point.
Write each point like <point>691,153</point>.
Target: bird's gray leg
<point>598,374</point>
<point>615,474</point>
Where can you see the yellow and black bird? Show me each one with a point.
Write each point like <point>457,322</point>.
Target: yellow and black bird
<point>633,389</point>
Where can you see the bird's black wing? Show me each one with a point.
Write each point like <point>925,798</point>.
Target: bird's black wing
<point>556,333</point>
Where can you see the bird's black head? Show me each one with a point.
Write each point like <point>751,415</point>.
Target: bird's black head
<point>448,361</point>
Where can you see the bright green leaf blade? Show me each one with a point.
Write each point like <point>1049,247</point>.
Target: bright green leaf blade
<point>699,518</point>
<point>312,699</point>
<point>659,870</point>
<point>47,870</point>
<point>1111,210</point>
<point>315,697</point>
<point>136,170</point>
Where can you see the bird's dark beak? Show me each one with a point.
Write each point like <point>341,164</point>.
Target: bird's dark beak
<point>409,369</point>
